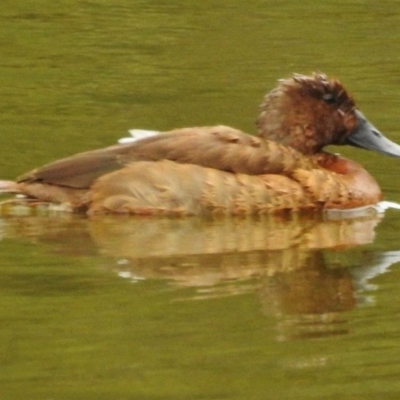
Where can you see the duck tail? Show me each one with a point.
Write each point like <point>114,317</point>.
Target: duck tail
<point>8,187</point>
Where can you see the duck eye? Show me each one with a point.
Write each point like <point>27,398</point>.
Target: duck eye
<point>329,98</point>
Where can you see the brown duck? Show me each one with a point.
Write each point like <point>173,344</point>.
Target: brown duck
<point>219,169</point>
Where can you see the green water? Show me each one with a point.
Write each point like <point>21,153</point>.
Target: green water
<point>125,308</point>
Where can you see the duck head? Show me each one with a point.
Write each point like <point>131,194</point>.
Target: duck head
<point>310,112</point>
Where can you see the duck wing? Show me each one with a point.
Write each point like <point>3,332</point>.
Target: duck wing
<point>220,147</point>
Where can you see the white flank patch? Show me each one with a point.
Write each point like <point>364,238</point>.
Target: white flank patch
<point>137,134</point>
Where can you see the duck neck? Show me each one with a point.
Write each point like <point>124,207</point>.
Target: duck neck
<point>281,122</point>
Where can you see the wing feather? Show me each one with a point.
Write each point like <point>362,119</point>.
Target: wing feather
<point>220,147</point>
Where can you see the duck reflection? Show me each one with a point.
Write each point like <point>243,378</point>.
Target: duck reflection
<point>296,265</point>
<point>286,261</point>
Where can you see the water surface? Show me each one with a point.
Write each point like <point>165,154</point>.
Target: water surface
<point>128,308</point>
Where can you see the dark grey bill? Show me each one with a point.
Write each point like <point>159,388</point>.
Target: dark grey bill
<point>368,137</point>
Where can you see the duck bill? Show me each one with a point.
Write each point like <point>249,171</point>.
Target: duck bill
<point>368,137</point>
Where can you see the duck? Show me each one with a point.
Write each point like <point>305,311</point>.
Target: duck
<point>283,167</point>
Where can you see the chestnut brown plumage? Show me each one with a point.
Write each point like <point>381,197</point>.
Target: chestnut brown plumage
<point>223,170</point>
